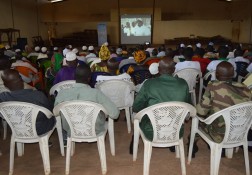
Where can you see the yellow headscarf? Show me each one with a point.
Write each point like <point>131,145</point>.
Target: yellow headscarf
<point>139,56</point>
<point>104,53</point>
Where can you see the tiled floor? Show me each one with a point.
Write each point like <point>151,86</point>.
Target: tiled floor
<point>86,159</point>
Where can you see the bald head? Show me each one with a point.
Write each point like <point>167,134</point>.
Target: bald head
<point>224,71</point>
<point>166,66</point>
<point>12,80</point>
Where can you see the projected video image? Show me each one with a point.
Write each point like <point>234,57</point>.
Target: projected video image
<point>136,26</point>
<point>135,29</point>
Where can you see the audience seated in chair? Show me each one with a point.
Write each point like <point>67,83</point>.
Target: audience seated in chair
<point>82,91</point>
<point>26,69</point>
<point>67,72</point>
<point>198,56</point>
<point>113,65</point>
<point>223,53</point>
<point>100,64</point>
<point>164,88</point>
<point>188,63</point>
<point>14,83</point>
<point>219,95</point>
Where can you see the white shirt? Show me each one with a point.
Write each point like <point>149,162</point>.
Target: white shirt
<point>161,54</point>
<point>187,64</point>
<point>241,59</point>
<point>213,64</point>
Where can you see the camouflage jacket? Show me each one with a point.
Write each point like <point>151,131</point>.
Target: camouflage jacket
<point>220,95</point>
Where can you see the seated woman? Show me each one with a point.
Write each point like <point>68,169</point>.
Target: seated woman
<point>100,65</point>
<point>26,70</point>
<point>139,57</point>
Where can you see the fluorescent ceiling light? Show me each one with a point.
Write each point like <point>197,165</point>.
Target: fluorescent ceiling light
<point>52,1</point>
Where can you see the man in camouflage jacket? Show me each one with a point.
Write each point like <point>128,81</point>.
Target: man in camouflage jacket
<point>219,95</point>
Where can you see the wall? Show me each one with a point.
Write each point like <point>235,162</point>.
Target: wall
<point>24,17</point>
<point>33,21</point>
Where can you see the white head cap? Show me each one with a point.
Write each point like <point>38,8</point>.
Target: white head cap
<point>154,68</point>
<point>119,51</point>
<point>211,43</point>
<point>37,48</point>
<point>70,56</point>
<point>55,48</point>
<point>91,48</point>
<point>198,45</point>
<point>43,49</point>
<point>17,50</point>
<point>84,48</point>
<point>182,45</point>
<point>106,43</point>
<point>189,46</point>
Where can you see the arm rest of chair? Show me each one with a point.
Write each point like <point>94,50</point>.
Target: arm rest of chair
<point>209,119</point>
<point>56,109</point>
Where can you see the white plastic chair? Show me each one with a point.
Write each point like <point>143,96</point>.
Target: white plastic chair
<point>81,117</point>
<point>4,123</point>
<point>61,85</point>
<point>21,118</point>
<point>192,76</point>
<point>53,92</point>
<point>166,119</point>
<point>207,77</point>
<point>238,120</point>
<point>121,93</point>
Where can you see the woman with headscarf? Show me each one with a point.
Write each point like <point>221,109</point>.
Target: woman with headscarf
<point>100,65</point>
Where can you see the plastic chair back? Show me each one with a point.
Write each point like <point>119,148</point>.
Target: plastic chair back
<point>119,91</point>
<point>139,76</point>
<point>94,76</point>
<point>241,68</point>
<point>81,117</point>
<point>238,120</point>
<point>61,85</point>
<point>166,119</point>
<point>190,75</point>
<point>21,117</point>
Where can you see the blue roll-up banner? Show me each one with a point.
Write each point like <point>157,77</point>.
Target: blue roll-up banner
<point>102,33</point>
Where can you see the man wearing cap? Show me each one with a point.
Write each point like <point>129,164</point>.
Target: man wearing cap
<point>67,72</point>
<point>84,51</point>
<point>32,57</point>
<point>91,56</point>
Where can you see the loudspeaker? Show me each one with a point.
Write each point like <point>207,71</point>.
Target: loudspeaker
<point>21,42</point>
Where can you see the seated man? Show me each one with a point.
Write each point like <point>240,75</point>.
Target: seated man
<point>219,95</point>
<point>164,88</point>
<point>15,84</point>
<point>188,63</point>
<point>82,91</point>
<point>112,65</point>
<point>67,72</point>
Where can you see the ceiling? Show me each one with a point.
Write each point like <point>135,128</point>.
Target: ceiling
<point>170,9</point>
